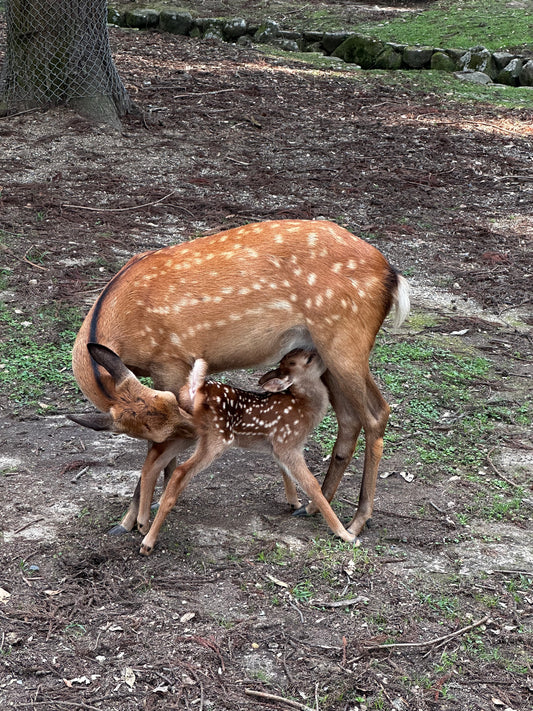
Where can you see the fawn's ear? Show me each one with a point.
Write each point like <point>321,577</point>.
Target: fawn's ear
<point>274,383</point>
<point>109,360</point>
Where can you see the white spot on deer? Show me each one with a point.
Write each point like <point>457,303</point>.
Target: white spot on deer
<point>278,239</point>
<point>312,239</point>
<point>292,228</point>
<point>280,304</point>
<point>319,300</point>
<point>351,264</point>
<point>243,291</point>
<point>336,268</point>
<point>361,293</point>
<point>235,317</point>
<point>355,308</point>
<point>308,303</point>
<point>175,339</point>
<point>221,323</point>
<point>223,238</point>
<point>329,293</point>
<point>297,271</point>
<point>217,299</point>
<point>344,303</point>
<point>293,297</point>
<point>257,287</point>
<point>311,279</point>
<point>252,253</point>
<point>227,290</point>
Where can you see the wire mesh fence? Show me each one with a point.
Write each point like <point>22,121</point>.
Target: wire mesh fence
<point>56,51</point>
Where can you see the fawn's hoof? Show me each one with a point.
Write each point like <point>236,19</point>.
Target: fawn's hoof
<point>302,511</point>
<point>118,530</point>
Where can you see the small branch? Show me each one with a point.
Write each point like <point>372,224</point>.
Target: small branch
<point>272,697</point>
<point>27,525</point>
<point>118,209</point>
<point>202,93</point>
<point>79,475</point>
<point>431,642</point>
<point>340,603</point>
<point>24,258</point>
<point>499,474</point>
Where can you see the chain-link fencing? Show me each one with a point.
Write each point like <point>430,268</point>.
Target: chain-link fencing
<point>56,52</point>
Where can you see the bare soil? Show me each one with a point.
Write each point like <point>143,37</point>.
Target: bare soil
<point>239,598</point>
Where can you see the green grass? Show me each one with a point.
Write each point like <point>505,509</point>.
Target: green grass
<point>461,24</point>
<point>35,372</point>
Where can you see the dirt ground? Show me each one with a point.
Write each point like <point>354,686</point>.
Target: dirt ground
<point>240,599</point>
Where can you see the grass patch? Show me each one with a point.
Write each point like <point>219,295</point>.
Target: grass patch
<point>461,24</point>
<point>35,356</point>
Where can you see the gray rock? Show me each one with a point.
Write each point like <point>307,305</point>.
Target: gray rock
<point>510,74</point>
<point>417,57</point>
<point>235,28</point>
<point>288,45</point>
<point>313,36</point>
<point>388,59</point>
<point>141,19</point>
<point>502,59</point>
<point>474,77</point>
<point>456,55</point>
<point>177,22</point>
<point>266,32</point>
<point>442,62</point>
<point>331,40</point>
<point>526,74</point>
<point>480,59</point>
<point>290,34</point>
<point>245,41</point>
<point>361,50</point>
<point>114,17</point>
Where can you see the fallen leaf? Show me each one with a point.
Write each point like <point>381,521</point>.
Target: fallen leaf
<point>129,676</point>
<point>187,617</point>
<point>4,595</point>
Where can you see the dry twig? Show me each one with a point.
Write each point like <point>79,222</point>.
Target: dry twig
<point>273,697</point>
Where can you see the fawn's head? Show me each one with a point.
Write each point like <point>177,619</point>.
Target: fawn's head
<point>297,368</point>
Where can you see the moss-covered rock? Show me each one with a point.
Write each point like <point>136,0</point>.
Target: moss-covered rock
<point>415,57</point>
<point>480,59</point>
<point>358,49</point>
<point>142,19</point>
<point>510,74</point>
<point>442,62</point>
<point>266,32</point>
<point>526,74</point>
<point>235,28</point>
<point>388,59</point>
<point>176,21</point>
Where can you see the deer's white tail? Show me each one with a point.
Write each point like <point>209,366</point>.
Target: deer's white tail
<point>402,303</point>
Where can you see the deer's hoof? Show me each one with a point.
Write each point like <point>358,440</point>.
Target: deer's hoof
<point>302,511</point>
<point>145,549</point>
<point>118,530</point>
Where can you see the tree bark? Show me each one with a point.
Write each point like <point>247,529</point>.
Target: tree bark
<point>57,54</point>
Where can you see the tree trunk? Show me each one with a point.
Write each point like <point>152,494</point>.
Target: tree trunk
<point>58,54</point>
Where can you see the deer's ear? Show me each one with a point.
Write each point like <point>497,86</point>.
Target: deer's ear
<point>109,360</point>
<point>96,421</point>
<point>275,384</point>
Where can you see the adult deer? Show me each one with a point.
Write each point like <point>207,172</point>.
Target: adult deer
<point>237,299</point>
<point>277,422</point>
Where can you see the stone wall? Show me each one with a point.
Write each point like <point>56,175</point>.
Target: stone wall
<point>475,64</point>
